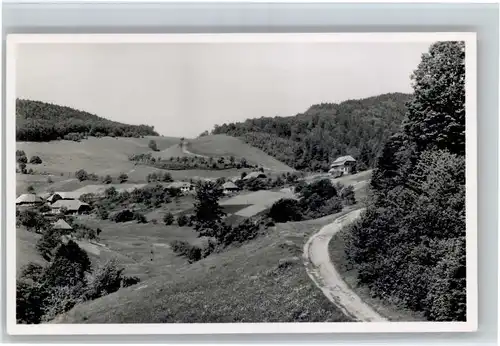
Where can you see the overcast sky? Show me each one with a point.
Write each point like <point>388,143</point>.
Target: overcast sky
<point>184,89</point>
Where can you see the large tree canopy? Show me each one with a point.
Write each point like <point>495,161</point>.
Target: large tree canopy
<point>410,243</point>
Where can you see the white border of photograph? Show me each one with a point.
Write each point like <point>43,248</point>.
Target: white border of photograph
<point>245,328</point>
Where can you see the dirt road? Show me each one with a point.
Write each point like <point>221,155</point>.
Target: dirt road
<point>323,273</point>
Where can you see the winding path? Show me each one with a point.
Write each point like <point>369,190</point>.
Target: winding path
<point>323,273</point>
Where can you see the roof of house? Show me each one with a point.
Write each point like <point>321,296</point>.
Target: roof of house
<point>229,185</point>
<point>253,175</point>
<point>343,159</point>
<point>65,195</point>
<point>61,224</point>
<point>70,204</point>
<point>28,198</point>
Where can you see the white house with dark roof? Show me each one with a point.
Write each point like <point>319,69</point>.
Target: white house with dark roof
<point>342,165</point>
<point>71,206</point>
<point>229,187</point>
<point>184,186</point>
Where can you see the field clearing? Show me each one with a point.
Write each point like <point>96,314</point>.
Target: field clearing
<point>253,203</point>
<point>222,145</point>
<point>178,205</point>
<point>263,280</point>
<point>143,249</point>
<point>101,156</point>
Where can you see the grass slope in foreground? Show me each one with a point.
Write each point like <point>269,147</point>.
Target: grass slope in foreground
<point>263,280</point>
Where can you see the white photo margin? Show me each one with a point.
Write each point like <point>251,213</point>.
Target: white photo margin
<point>247,328</point>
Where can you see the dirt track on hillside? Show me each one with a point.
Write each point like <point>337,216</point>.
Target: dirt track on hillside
<point>323,273</point>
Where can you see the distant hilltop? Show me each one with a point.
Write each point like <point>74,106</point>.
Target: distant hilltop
<point>38,121</point>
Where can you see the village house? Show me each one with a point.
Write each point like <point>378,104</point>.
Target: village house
<point>342,165</point>
<point>61,225</point>
<point>184,186</point>
<point>253,175</point>
<point>28,199</point>
<point>229,187</point>
<point>70,207</point>
<point>57,196</point>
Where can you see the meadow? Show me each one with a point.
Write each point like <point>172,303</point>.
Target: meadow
<point>260,281</point>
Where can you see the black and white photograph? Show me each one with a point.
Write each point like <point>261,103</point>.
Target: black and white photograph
<point>242,182</point>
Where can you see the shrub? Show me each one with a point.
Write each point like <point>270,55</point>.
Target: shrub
<point>21,156</point>
<point>130,281</point>
<point>88,198</point>
<point>32,220</point>
<point>347,195</point>
<point>182,220</point>
<point>93,177</point>
<point>107,179</point>
<point>123,177</point>
<point>226,234</point>
<point>106,279</point>
<point>69,265</point>
<point>183,248</point>
<point>49,180</point>
<point>36,160</point>
<point>81,175</point>
<point>103,213</point>
<point>60,299</point>
<point>141,218</point>
<point>285,210</point>
<point>152,145</point>
<point>22,167</point>
<point>167,177</point>
<point>168,219</point>
<point>30,297</point>
<point>30,189</point>
<point>123,216</point>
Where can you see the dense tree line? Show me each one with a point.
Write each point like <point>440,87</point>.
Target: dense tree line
<point>409,245</point>
<point>192,162</point>
<point>39,121</point>
<point>317,199</point>
<point>311,140</point>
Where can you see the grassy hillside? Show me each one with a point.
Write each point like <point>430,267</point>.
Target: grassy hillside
<point>261,281</point>
<point>106,155</point>
<point>311,140</point>
<point>41,121</point>
<point>217,146</point>
<point>26,252</point>
<point>222,145</point>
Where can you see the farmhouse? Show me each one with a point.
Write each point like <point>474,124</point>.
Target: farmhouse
<point>342,165</point>
<point>61,224</point>
<point>70,207</point>
<point>229,187</point>
<point>28,199</point>
<point>57,196</point>
<point>255,175</point>
<point>184,186</point>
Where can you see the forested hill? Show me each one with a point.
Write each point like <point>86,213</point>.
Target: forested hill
<point>311,140</point>
<point>39,121</point>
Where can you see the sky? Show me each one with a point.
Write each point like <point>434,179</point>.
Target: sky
<point>183,89</point>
